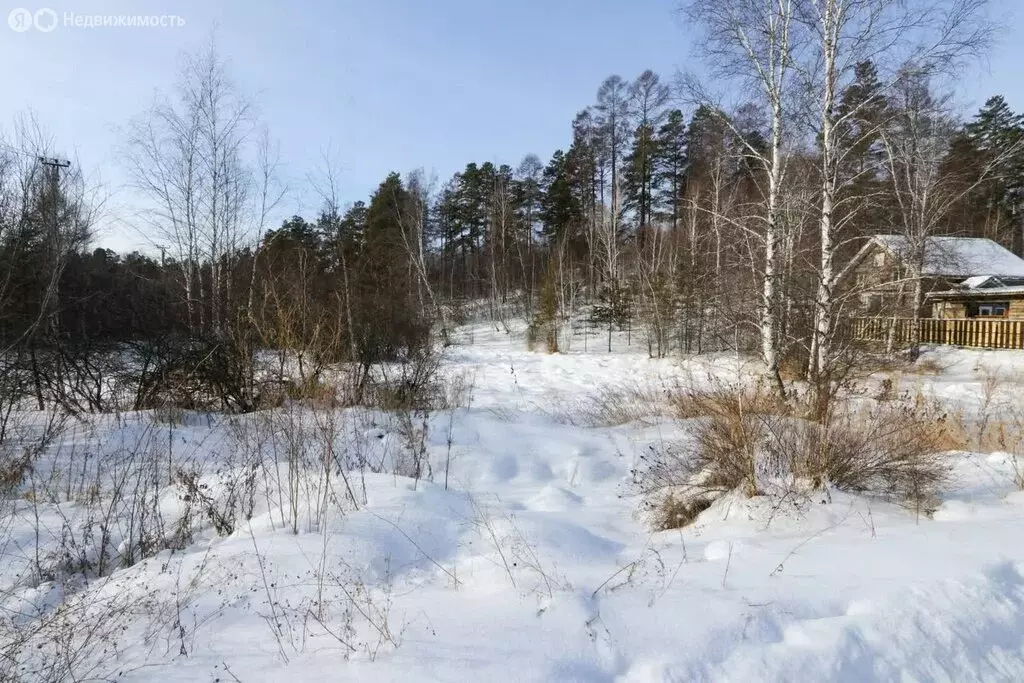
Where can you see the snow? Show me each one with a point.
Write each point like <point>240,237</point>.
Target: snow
<point>991,281</point>
<point>979,281</point>
<point>982,292</point>
<point>535,564</point>
<point>961,257</point>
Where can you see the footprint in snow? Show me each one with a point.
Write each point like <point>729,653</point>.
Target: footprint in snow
<point>554,499</point>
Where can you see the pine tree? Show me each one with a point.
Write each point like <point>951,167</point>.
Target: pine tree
<point>671,165</point>
<point>382,240</point>
<point>861,115</point>
<point>528,195</point>
<point>647,101</point>
<point>613,118</point>
<point>586,158</point>
<point>561,212</point>
<point>639,181</point>
<point>998,133</point>
<point>390,325</point>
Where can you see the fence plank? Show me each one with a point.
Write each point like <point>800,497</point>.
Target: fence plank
<point>969,332</point>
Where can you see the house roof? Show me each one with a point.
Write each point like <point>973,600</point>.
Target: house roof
<point>980,281</point>
<point>987,292</point>
<point>964,257</point>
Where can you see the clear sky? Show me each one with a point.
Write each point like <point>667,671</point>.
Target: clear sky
<point>383,84</point>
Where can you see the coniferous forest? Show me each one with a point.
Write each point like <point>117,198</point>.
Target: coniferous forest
<point>686,398</point>
<point>698,227</point>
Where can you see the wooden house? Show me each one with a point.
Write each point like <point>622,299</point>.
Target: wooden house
<point>982,296</point>
<point>962,277</point>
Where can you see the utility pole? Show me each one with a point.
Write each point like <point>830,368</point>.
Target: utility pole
<point>53,166</point>
<point>51,304</point>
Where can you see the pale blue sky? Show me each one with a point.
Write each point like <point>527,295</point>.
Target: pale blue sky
<point>386,84</point>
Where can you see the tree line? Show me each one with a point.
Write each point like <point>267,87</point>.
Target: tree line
<point>700,221</point>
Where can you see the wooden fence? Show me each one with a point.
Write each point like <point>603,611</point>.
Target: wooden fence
<point>974,332</point>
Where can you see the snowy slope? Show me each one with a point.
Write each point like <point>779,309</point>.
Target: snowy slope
<point>534,564</point>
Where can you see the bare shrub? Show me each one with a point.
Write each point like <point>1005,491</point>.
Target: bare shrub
<point>793,365</point>
<point>927,366</point>
<point>544,327</point>
<point>996,425</point>
<point>23,442</point>
<point>197,493</point>
<point>897,451</point>
<point>722,398</point>
<point>458,390</point>
<point>413,383</point>
<point>315,391</point>
<point>746,441</point>
<point>888,389</point>
<point>611,406</point>
<point>675,511</point>
<point>77,640</point>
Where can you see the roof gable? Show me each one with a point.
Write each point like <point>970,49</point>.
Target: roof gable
<point>959,257</point>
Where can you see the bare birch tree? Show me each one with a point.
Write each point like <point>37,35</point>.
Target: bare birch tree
<point>917,140</point>
<point>269,193</point>
<point>414,221</point>
<point>936,35</point>
<point>188,156</point>
<point>756,42</point>
<point>325,182</point>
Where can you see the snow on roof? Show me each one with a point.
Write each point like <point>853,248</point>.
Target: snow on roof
<point>992,281</point>
<point>978,281</point>
<point>964,257</point>
<point>975,293</point>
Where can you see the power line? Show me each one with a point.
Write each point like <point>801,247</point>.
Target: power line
<point>53,162</point>
<point>19,151</point>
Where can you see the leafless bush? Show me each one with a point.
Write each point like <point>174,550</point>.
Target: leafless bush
<point>517,555</point>
<point>77,640</point>
<point>720,397</point>
<point>96,512</point>
<point>611,406</point>
<point>897,451</point>
<point>413,383</point>
<point>458,390</point>
<point>675,510</point>
<point>927,366</point>
<point>544,328</point>
<point>745,441</point>
<point>23,442</point>
<point>996,425</point>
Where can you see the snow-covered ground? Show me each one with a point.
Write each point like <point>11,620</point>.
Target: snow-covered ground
<point>534,562</point>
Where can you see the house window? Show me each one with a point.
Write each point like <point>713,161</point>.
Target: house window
<point>880,259</point>
<point>871,304</point>
<point>993,310</point>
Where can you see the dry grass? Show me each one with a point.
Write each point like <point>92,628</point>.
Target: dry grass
<point>722,400</point>
<point>894,451</point>
<point>748,440</point>
<point>612,406</point>
<point>926,366</point>
<point>793,367</point>
<point>675,511</point>
<point>615,405</point>
<point>316,393</point>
